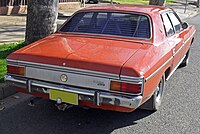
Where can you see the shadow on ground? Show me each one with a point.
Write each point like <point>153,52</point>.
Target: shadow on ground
<point>45,118</point>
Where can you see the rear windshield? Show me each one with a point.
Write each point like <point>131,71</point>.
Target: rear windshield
<point>109,23</point>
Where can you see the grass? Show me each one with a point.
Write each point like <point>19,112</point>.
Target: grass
<point>146,2</point>
<point>5,50</point>
<point>2,69</point>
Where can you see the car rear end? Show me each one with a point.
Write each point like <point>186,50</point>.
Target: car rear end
<point>87,77</point>
<point>76,86</point>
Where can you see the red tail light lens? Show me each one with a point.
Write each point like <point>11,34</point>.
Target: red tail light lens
<point>126,87</point>
<point>15,70</point>
<point>131,88</point>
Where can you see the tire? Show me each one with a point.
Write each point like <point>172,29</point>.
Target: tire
<point>95,1</point>
<point>154,102</point>
<point>185,62</point>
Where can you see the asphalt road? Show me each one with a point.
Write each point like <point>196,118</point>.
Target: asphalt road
<point>179,113</point>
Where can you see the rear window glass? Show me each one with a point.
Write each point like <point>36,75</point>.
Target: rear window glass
<point>109,23</point>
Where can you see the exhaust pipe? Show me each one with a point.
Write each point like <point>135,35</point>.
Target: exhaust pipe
<point>62,106</point>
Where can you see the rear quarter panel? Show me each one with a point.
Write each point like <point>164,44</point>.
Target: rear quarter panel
<point>149,60</point>
<point>189,37</point>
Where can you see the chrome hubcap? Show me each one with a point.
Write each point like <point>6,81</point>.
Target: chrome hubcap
<point>159,92</point>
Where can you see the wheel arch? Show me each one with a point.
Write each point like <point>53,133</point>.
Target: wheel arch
<point>167,72</point>
<point>192,41</point>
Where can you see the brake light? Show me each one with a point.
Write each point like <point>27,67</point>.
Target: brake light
<point>15,70</point>
<point>125,87</point>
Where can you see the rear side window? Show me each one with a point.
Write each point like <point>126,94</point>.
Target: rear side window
<point>109,23</point>
<point>175,22</point>
<point>167,24</point>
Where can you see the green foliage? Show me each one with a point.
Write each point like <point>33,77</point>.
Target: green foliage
<point>5,50</point>
<point>170,1</point>
<point>2,69</point>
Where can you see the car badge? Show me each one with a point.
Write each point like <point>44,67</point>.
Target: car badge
<point>63,78</point>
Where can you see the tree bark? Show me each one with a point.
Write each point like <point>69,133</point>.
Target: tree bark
<point>197,3</point>
<point>41,19</point>
<point>157,2</point>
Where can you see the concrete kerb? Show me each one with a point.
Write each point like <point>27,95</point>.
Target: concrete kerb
<point>6,90</point>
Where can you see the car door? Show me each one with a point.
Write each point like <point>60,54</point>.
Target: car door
<point>174,33</point>
<point>179,38</point>
<point>186,34</point>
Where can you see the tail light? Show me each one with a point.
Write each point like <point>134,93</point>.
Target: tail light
<point>18,70</point>
<point>126,87</point>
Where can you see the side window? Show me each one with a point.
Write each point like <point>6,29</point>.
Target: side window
<point>175,22</point>
<point>167,24</point>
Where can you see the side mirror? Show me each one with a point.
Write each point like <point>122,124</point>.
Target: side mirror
<point>185,25</point>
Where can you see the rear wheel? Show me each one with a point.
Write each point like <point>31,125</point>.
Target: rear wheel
<point>95,1</point>
<point>154,102</point>
<point>186,59</point>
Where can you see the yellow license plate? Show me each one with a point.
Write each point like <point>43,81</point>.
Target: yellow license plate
<point>67,97</point>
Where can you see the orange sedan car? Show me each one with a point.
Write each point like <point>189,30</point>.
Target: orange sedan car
<point>114,57</point>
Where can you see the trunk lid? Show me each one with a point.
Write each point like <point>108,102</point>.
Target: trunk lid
<point>90,53</point>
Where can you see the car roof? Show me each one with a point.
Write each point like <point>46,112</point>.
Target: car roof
<point>147,9</point>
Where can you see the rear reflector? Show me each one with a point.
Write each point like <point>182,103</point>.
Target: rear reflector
<point>15,70</point>
<point>125,87</point>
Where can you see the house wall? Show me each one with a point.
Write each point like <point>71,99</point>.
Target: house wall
<point>8,7</point>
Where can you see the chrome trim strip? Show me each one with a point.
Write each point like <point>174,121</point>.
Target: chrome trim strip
<point>59,68</point>
<point>62,88</point>
<point>143,82</point>
<point>160,43</point>
<point>175,68</point>
<point>154,73</point>
<point>8,77</point>
<point>103,37</point>
<point>138,80</point>
<point>178,51</point>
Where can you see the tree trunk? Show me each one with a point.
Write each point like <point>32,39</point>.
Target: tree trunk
<point>41,19</point>
<point>157,2</point>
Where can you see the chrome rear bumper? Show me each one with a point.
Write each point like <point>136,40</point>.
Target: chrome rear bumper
<point>96,96</point>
